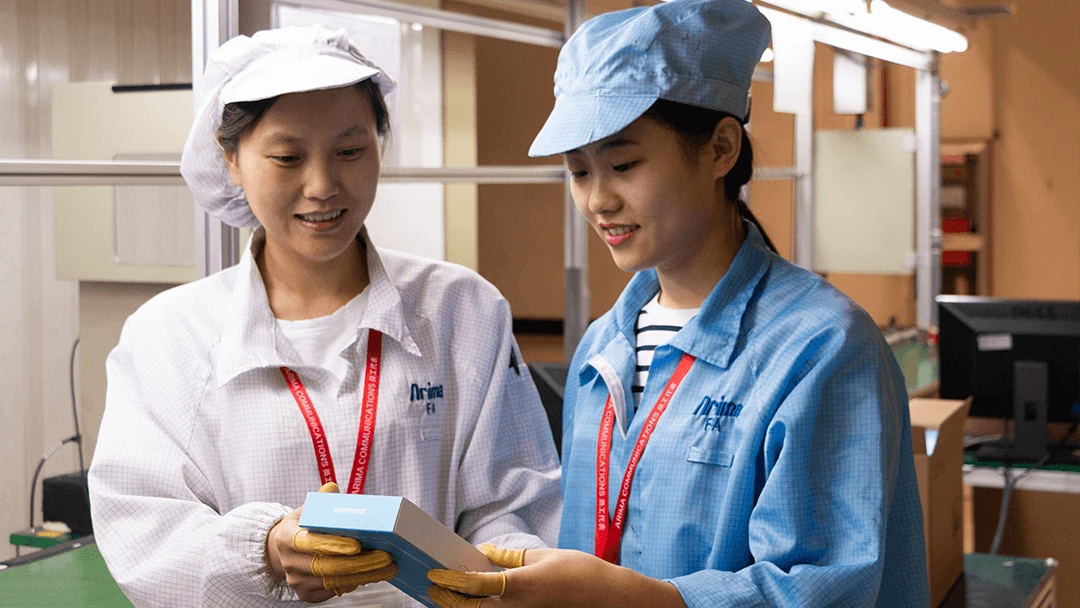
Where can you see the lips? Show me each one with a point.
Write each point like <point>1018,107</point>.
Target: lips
<point>327,216</point>
<point>617,234</point>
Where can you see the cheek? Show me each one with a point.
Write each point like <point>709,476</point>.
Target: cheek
<point>267,190</point>
<point>679,204</point>
<point>364,180</point>
<point>577,192</point>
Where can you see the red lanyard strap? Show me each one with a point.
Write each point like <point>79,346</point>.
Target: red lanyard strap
<point>608,537</point>
<point>369,407</point>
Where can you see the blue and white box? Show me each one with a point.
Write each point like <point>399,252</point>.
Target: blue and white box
<point>417,541</point>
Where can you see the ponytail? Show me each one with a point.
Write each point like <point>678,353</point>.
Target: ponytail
<point>696,125</point>
<point>748,216</point>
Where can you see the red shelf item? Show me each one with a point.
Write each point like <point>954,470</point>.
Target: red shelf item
<point>952,226</point>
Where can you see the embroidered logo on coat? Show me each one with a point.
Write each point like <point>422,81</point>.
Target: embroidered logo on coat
<point>427,394</point>
<point>715,411</point>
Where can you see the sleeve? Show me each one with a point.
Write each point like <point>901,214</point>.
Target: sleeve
<point>154,514</point>
<point>831,455</point>
<point>509,471</point>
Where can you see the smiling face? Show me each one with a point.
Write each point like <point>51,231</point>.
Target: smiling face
<point>653,203</point>
<point>309,169</point>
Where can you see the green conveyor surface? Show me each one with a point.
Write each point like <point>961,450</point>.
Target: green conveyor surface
<point>75,578</point>
<point>918,361</point>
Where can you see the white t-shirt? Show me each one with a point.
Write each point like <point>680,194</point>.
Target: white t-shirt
<point>656,326</point>
<point>320,341</point>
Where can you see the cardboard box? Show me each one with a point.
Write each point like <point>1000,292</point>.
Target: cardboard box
<point>417,541</point>
<point>937,434</point>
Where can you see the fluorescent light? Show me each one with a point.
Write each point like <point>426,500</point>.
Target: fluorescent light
<point>820,8</point>
<point>882,21</point>
<point>914,32</point>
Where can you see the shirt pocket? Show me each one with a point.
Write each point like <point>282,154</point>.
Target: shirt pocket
<point>429,420</point>
<point>716,458</point>
<point>430,427</point>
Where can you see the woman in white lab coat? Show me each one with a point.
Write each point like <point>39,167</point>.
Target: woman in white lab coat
<point>230,398</point>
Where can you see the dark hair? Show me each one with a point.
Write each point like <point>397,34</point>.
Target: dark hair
<point>241,117</point>
<point>695,125</point>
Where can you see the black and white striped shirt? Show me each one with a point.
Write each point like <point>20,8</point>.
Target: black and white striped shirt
<point>656,326</point>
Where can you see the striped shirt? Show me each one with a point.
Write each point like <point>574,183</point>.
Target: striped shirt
<point>656,325</point>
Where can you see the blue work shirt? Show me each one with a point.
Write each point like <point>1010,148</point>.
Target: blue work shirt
<point>781,473</point>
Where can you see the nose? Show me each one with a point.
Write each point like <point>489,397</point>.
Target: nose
<point>603,198</point>
<point>321,181</point>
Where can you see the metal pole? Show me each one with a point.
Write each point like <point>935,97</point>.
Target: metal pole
<point>928,234</point>
<point>167,173</point>
<point>804,189</point>
<point>212,23</point>
<point>576,235</point>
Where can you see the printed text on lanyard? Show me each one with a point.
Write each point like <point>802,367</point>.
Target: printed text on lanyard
<point>369,407</point>
<point>609,532</point>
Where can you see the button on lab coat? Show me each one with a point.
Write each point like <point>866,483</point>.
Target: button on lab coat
<point>781,473</point>
<point>202,446</point>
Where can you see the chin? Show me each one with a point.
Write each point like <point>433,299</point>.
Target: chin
<point>322,252</point>
<point>629,263</point>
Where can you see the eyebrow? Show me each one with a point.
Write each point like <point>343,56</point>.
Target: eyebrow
<point>611,144</point>
<point>278,137</point>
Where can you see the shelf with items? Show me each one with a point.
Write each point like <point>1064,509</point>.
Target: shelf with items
<point>965,219</point>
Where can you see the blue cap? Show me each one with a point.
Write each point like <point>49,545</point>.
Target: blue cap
<point>697,52</point>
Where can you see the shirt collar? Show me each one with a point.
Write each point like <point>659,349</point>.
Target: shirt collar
<point>252,338</point>
<point>711,335</point>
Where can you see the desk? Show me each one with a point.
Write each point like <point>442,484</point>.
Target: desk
<point>72,574</point>
<point>1050,478</point>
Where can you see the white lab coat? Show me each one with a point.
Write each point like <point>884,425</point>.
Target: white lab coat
<point>202,446</point>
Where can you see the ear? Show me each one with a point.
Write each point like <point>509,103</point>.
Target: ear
<point>726,144</point>
<point>232,161</point>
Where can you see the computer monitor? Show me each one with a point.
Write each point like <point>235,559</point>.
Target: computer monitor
<point>1017,359</point>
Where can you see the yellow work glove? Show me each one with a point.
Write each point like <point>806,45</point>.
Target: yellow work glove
<point>454,589</point>
<point>340,561</point>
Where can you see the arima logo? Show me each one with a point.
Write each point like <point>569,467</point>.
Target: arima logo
<point>715,411</point>
<point>349,510</point>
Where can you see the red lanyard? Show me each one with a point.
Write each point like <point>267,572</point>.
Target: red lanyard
<point>368,408</point>
<point>608,537</point>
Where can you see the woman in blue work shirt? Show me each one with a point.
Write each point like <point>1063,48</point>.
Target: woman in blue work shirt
<point>736,430</point>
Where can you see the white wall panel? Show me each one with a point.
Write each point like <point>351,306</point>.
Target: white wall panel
<point>864,198</point>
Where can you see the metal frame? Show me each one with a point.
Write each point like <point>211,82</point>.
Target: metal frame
<point>578,299</point>
<point>445,20</point>
<point>804,189</point>
<point>927,157</point>
<point>217,246</point>
<point>17,173</point>
<point>167,173</point>
<point>89,173</point>
<point>928,233</point>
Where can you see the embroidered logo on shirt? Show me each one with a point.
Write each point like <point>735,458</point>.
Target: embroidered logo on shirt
<point>715,411</point>
<point>427,394</point>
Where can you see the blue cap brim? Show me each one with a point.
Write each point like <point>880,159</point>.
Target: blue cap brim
<point>580,121</point>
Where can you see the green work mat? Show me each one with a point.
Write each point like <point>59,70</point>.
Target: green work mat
<point>71,578</point>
